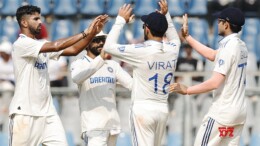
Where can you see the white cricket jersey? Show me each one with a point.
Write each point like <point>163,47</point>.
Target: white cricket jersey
<point>32,94</point>
<point>153,62</point>
<point>229,102</point>
<point>96,80</point>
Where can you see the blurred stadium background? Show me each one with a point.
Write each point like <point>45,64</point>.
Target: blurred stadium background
<point>64,18</point>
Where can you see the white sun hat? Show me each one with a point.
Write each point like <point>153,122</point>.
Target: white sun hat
<point>101,33</point>
<point>6,47</point>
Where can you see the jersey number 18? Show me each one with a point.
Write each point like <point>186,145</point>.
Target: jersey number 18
<point>167,81</point>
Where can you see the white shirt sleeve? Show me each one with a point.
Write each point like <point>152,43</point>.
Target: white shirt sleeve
<point>224,61</point>
<point>81,70</point>
<point>123,77</point>
<point>29,47</point>
<point>171,33</point>
<point>126,53</point>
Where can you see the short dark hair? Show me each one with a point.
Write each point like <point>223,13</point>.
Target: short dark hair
<point>156,34</point>
<point>26,10</point>
<point>235,28</point>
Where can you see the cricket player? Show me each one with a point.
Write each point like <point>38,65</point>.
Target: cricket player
<point>154,62</point>
<point>33,118</point>
<point>96,79</point>
<point>223,124</point>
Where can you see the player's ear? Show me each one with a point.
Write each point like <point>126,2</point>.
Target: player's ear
<point>146,30</point>
<point>227,25</point>
<point>24,23</point>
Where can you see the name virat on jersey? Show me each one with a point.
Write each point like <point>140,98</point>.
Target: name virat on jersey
<point>162,65</point>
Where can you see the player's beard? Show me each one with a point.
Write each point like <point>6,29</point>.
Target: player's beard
<point>35,31</point>
<point>95,50</point>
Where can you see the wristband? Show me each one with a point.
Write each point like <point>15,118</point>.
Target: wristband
<point>84,35</point>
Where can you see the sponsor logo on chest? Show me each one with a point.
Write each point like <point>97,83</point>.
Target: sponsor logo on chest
<point>40,66</point>
<point>104,79</point>
<point>41,62</point>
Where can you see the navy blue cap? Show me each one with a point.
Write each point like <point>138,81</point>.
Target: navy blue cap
<point>156,22</point>
<point>233,15</point>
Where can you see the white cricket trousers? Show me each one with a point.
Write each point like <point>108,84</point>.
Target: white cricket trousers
<point>33,131</point>
<point>148,123</point>
<point>212,133</point>
<point>99,138</point>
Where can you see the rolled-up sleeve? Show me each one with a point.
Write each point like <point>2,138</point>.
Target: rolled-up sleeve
<point>82,69</point>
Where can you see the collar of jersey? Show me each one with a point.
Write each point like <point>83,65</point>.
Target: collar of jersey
<point>152,42</point>
<point>88,58</point>
<point>21,34</point>
<point>227,38</point>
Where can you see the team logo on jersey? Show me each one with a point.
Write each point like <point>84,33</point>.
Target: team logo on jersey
<point>226,131</point>
<point>110,69</point>
<point>121,48</point>
<point>220,62</point>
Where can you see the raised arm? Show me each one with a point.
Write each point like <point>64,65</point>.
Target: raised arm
<point>124,16</point>
<point>95,27</point>
<point>81,70</point>
<point>205,51</point>
<point>171,33</point>
<point>213,83</point>
<point>75,44</point>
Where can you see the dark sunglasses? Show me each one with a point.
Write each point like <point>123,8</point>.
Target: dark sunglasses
<point>98,40</point>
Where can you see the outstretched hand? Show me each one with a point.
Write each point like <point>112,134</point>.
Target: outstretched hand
<point>185,28</point>
<point>97,24</point>
<point>163,7</point>
<point>126,12</point>
<point>178,88</point>
<point>101,23</point>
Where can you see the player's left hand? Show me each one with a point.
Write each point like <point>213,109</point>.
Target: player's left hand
<point>97,24</point>
<point>126,12</point>
<point>178,88</point>
<point>100,24</point>
<point>185,28</point>
<point>163,7</point>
